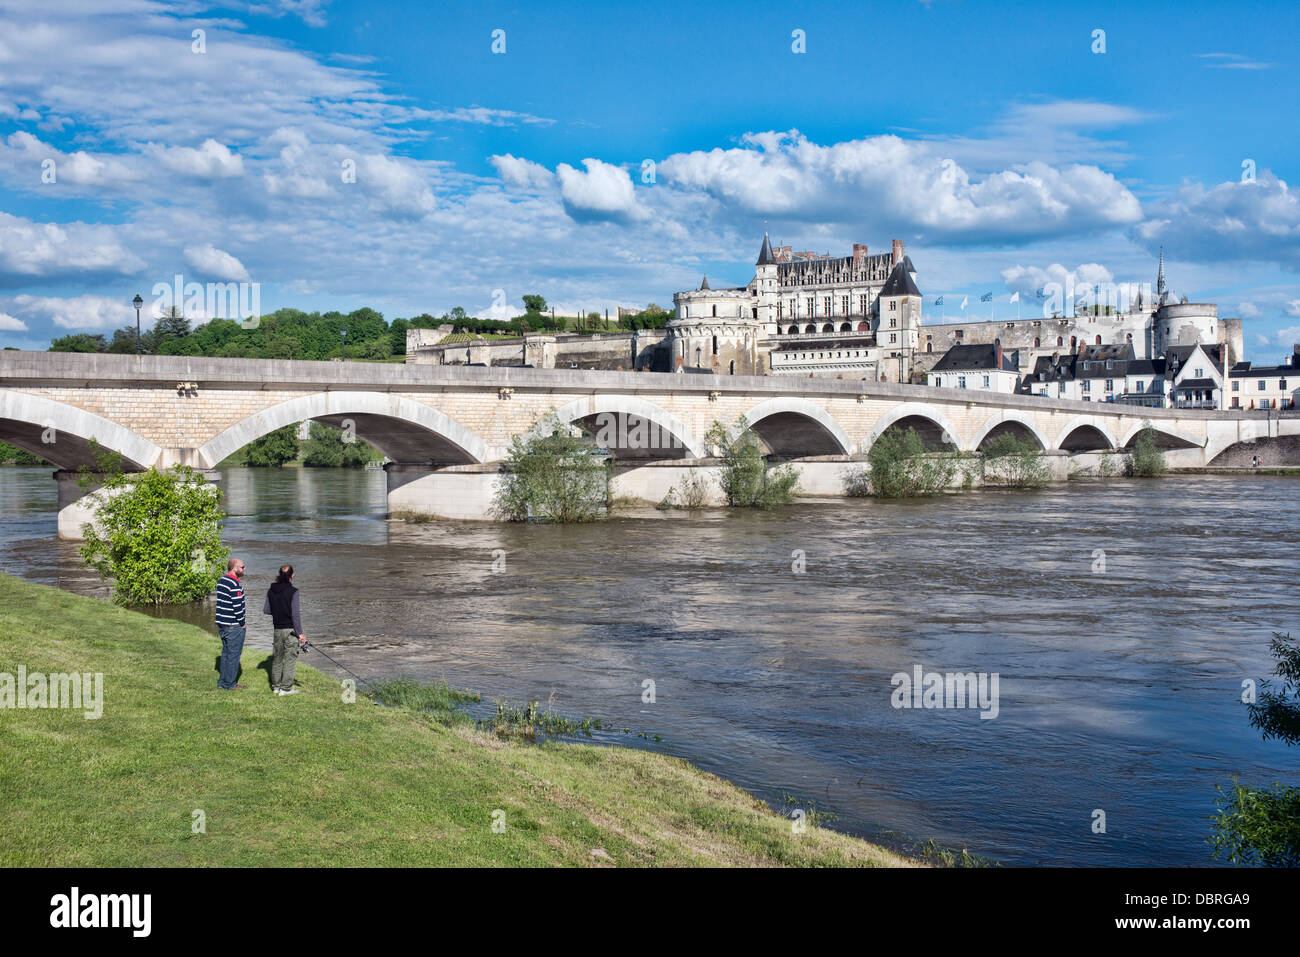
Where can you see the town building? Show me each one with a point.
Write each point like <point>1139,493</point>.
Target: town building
<point>977,367</point>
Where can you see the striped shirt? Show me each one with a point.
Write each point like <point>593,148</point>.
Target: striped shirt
<point>230,602</point>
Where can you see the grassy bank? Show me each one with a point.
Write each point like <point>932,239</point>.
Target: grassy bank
<point>311,780</point>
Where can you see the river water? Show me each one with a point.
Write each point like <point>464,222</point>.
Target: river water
<point>1119,687</point>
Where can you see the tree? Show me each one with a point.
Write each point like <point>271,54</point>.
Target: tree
<point>1146,459</point>
<point>1015,463</point>
<point>746,480</point>
<point>274,449</point>
<point>79,342</point>
<point>327,447</point>
<point>156,535</point>
<point>534,304</point>
<point>1262,826</point>
<point>283,347</point>
<point>554,476</point>
<point>899,466</point>
<point>174,325</point>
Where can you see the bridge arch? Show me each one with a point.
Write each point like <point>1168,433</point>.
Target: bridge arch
<point>25,419</point>
<point>640,429</point>
<point>794,427</point>
<point>404,430</point>
<point>942,432</point>
<point>1014,423</point>
<point>1089,429</point>
<point>1167,436</point>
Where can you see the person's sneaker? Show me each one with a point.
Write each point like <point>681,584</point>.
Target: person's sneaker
<point>291,691</point>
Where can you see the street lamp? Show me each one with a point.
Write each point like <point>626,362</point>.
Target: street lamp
<point>344,333</point>
<point>137,302</point>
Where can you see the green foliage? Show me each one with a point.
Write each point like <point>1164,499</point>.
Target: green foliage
<point>534,304</point>
<point>651,317</point>
<point>274,449</point>
<point>554,476</point>
<point>1146,459</point>
<point>157,535</point>
<point>1276,713</point>
<point>525,721</point>
<point>1015,463</point>
<point>746,480</point>
<point>1258,826</point>
<point>328,447</point>
<point>438,700</point>
<point>899,466</point>
<point>79,342</point>
<point>691,493</point>
<point>13,455</point>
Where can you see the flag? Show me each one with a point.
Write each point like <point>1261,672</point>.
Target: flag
<point>1015,296</point>
<point>939,301</point>
<point>987,297</point>
<point>963,301</point>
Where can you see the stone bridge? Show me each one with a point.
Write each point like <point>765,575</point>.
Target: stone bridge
<point>446,429</point>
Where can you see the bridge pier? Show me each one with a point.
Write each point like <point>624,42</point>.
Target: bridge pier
<point>76,504</point>
<point>464,492</point>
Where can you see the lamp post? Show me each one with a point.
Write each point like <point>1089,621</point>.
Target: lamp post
<point>344,333</point>
<point>137,302</point>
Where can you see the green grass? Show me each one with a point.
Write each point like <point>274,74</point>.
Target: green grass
<point>313,781</point>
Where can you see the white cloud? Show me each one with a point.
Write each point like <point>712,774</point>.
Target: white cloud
<point>396,186</point>
<point>79,312</point>
<point>31,250</point>
<point>1257,220</point>
<point>1292,308</point>
<point>215,264</point>
<point>604,191</point>
<point>1288,336</point>
<point>1248,310</point>
<point>9,324</point>
<point>522,173</point>
<point>906,184</point>
<point>212,160</point>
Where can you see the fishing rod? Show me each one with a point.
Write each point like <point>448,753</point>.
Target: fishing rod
<point>307,644</point>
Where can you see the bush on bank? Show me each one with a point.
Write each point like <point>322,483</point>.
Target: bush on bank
<point>553,475</point>
<point>746,480</point>
<point>1146,460</point>
<point>899,466</point>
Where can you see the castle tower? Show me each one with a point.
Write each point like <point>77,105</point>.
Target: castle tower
<point>765,288</point>
<point>898,323</point>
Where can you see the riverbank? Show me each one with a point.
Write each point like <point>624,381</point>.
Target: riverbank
<point>314,781</point>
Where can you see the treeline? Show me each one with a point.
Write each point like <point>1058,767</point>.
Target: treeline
<point>325,447</point>
<point>13,455</point>
<point>294,334</point>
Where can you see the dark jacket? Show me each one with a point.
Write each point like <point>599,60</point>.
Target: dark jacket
<point>282,605</point>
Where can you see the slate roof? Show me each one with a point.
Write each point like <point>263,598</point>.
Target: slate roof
<point>900,282</point>
<point>765,257</point>
<point>976,358</point>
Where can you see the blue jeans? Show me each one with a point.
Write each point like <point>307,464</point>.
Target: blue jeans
<point>232,646</point>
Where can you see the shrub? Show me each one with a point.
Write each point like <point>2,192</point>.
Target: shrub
<point>1262,826</point>
<point>1015,463</point>
<point>900,467</point>
<point>746,480</point>
<point>157,536</point>
<point>691,493</point>
<point>1146,459</point>
<point>554,476</point>
<point>327,447</point>
<point>273,449</point>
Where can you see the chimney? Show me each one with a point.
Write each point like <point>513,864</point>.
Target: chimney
<point>859,253</point>
<point>898,252</point>
<point>997,359</point>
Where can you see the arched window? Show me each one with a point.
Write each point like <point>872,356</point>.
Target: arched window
<point>810,328</point>
<point>715,345</point>
<point>1098,340</point>
<point>715,312</point>
<point>1060,341</point>
<point>1128,337</point>
<point>829,327</point>
<point>929,347</point>
<point>732,368</point>
<point>792,331</point>
<point>1037,343</point>
<point>864,327</point>
<point>699,356</point>
<point>1074,341</point>
<point>846,327</point>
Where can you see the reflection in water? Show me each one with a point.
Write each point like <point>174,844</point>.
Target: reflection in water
<point>1119,690</point>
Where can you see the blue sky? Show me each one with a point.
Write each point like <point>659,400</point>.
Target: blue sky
<point>991,137</point>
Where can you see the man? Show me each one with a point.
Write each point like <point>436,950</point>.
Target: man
<point>230,624</point>
<point>286,618</point>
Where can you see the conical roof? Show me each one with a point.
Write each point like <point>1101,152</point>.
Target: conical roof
<point>765,257</point>
<point>900,282</point>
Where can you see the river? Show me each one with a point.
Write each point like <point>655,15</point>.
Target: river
<point>1119,689</point>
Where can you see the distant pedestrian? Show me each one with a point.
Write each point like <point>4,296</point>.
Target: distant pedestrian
<point>230,624</point>
<point>286,618</point>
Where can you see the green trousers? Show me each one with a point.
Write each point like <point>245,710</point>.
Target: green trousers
<point>285,660</point>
